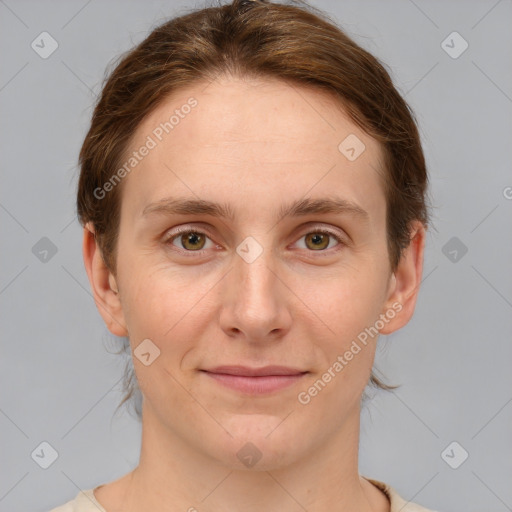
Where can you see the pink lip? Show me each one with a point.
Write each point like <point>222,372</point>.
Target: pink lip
<point>255,380</point>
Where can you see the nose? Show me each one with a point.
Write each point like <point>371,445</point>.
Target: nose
<point>255,300</point>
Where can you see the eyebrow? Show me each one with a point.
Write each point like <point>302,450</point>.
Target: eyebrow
<point>301,207</point>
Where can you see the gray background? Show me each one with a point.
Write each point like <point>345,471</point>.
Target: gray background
<point>61,383</point>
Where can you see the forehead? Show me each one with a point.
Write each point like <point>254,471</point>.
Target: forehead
<point>253,140</point>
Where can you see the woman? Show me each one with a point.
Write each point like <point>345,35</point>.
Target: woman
<point>252,192</point>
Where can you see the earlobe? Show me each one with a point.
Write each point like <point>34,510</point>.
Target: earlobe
<point>103,284</point>
<point>405,281</point>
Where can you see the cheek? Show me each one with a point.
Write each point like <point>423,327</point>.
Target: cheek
<point>154,304</point>
<point>166,305</point>
<point>349,300</point>
<point>350,305</point>
<point>156,310</point>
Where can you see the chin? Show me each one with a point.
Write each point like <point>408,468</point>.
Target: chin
<point>259,443</point>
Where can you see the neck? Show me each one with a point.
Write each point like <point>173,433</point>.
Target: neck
<point>173,475</point>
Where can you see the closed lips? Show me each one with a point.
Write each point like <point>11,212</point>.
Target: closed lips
<point>255,381</point>
<point>244,371</point>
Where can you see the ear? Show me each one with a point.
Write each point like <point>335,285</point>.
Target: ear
<point>405,282</point>
<point>103,284</point>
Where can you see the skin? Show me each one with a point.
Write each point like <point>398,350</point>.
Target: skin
<point>256,145</point>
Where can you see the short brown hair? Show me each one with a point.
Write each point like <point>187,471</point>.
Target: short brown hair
<point>295,43</point>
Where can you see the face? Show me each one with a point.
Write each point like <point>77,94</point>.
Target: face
<point>283,263</point>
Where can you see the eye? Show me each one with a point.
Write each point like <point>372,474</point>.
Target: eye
<point>189,240</point>
<point>319,240</point>
<point>195,240</point>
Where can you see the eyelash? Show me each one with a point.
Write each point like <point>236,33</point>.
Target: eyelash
<point>181,231</point>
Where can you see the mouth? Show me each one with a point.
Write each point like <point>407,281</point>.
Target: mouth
<point>255,381</point>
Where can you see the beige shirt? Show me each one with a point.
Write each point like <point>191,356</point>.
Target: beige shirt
<point>86,502</point>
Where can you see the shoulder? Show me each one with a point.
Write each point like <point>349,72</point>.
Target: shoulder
<point>398,504</point>
<point>84,501</point>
